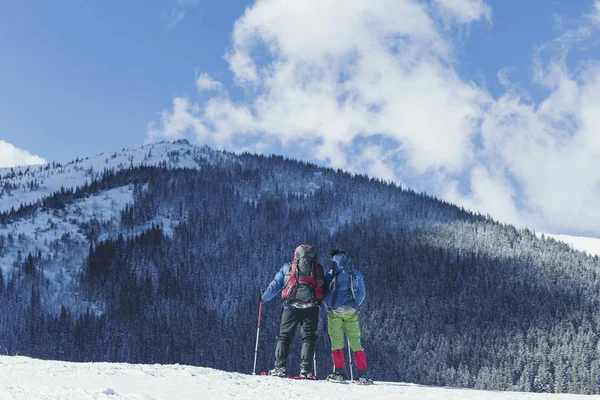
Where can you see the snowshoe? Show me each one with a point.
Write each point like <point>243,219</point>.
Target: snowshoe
<point>363,380</point>
<point>278,371</point>
<point>307,375</point>
<point>336,377</point>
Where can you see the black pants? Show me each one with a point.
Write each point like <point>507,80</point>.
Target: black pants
<point>308,319</point>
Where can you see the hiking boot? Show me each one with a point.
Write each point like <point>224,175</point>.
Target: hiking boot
<point>304,374</point>
<point>278,371</point>
<point>336,377</point>
<point>363,380</point>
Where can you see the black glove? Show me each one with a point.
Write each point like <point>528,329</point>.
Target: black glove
<point>260,293</point>
<point>336,251</point>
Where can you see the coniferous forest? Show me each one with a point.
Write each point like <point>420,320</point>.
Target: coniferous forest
<point>453,298</point>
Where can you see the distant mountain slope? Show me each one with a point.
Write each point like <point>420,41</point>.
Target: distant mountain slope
<point>24,378</point>
<point>61,231</point>
<point>155,254</point>
<point>25,185</point>
<point>589,245</point>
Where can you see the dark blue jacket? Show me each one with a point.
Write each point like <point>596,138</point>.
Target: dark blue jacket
<point>344,288</point>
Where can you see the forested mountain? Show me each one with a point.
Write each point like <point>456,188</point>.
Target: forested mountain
<point>155,255</point>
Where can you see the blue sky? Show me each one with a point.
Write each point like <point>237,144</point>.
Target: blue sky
<point>80,78</point>
<point>491,105</point>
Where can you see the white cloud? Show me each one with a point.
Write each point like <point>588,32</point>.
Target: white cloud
<point>382,70</point>
<point>491,193</point>
<point>372,87</point>
<point>552,149</point>
<point>205,82</point>
<point>11,156</point>
<point>175,123</point>
<point>175,18</point>
<point>596,13</point>
<point>178,12</point>
<point>465,11</point>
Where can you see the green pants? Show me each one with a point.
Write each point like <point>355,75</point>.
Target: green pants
<point>335,323</point>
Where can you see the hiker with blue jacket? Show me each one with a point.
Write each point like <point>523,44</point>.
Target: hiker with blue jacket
<point>302,287</point>
<point>345,293</point>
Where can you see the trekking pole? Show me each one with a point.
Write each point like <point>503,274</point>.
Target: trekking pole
<point>350,359</point>
<point>315,360</point>
<point>257,333</point>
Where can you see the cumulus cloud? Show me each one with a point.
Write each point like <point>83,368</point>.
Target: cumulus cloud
<point>205,82</point>
<point>368,68</point>
<point>491,193</point>
<point>373,87</point>
<point>11,156</point>
<point>550,150</point>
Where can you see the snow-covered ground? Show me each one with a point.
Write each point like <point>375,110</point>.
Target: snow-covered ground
<point>27,378</point>
<point>589,245</point>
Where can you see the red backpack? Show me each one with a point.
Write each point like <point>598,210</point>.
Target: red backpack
<point>301,286</point>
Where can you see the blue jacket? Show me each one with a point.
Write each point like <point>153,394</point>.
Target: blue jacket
<point>277,284</point>
<point>350,288</point>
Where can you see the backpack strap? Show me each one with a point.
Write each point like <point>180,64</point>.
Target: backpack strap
<point>317,295</point>
<point>333,287</point>
<point>313,281</point>
<point>351,273</point>
<point>291,281</point>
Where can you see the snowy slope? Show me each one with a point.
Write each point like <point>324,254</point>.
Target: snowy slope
<point>26,378</point>
<point>57,234</point>
<point>50,178</point>
<point>589,245</point>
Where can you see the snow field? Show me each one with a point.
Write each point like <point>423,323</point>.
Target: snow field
<point>26,378</point>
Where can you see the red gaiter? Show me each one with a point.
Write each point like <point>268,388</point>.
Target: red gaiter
<point>360,360</point>
<point>338,359</point>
